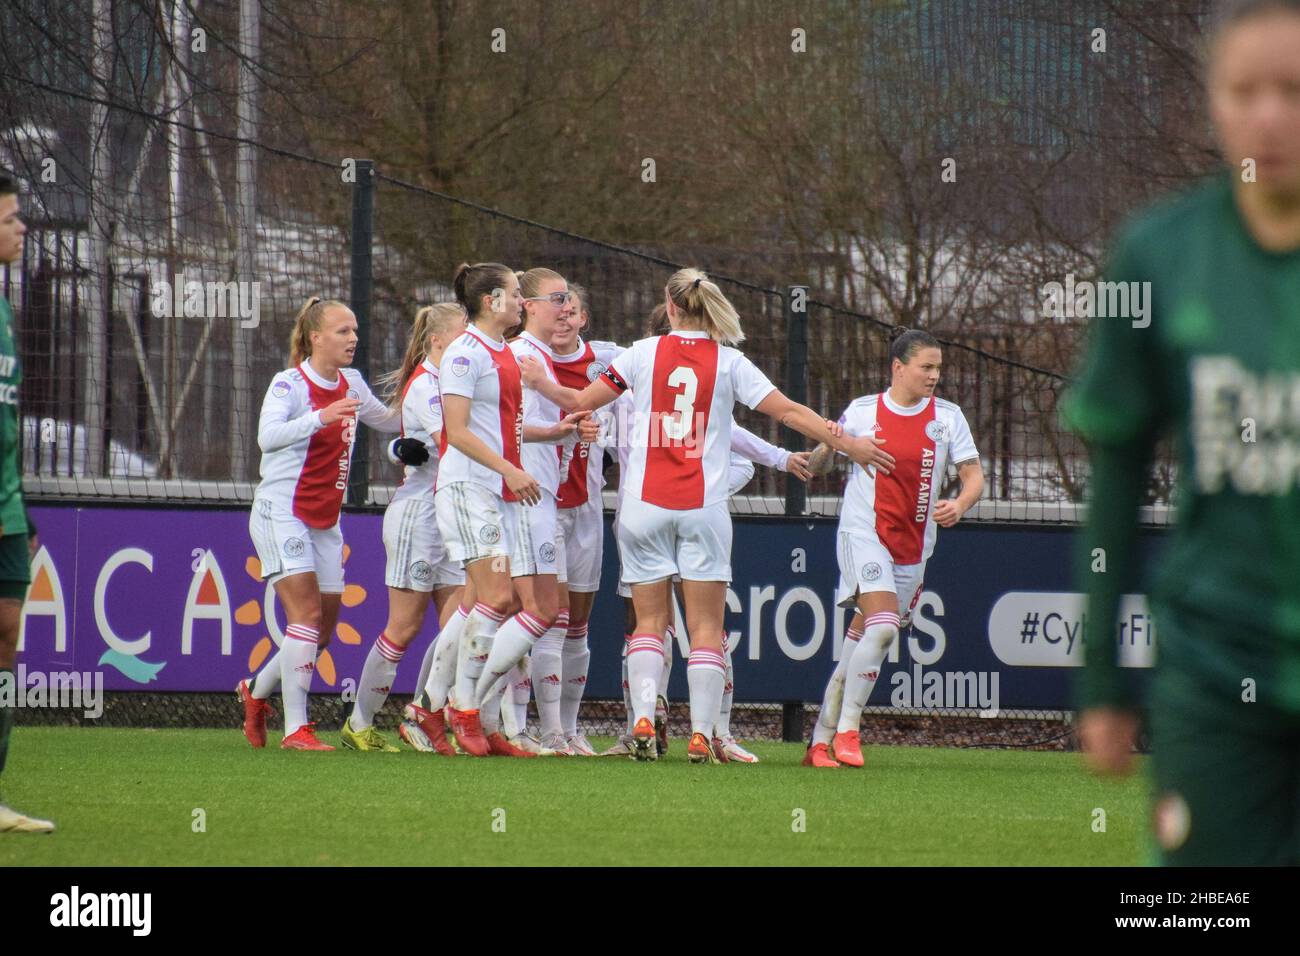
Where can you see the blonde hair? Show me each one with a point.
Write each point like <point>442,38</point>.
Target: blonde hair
<point>530,286</point>
<point>305,323</point>
<point>702,302</point>
<point>429,320</point>
<point>530,282</point>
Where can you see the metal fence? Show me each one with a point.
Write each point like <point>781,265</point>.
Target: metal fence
<point>159,399</point>
<point>174,234</point>
<point>161,202</point>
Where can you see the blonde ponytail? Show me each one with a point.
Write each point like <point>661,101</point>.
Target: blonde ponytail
<point>702,304</point>
<point>305,323</point>
<point>429,320</point>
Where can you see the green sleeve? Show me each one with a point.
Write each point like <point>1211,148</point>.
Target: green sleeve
<point>1118,482</point>
<point>1116,406</point>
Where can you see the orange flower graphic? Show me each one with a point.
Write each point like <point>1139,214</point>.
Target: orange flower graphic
<point>250,614</point>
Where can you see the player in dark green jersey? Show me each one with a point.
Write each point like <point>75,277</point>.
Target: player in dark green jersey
<point>1208,350</point>
<point>17,536</point>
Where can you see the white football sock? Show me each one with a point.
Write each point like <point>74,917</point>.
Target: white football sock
<point>426,666</point>
<point>706,673</point>
<point>644,665</point>
<point>475,644</point>
<point>627,692</point>
<point>577,659</point>
<point>514,712</point>
<point>722,727</point>
<point>828,717</point>
<point>489,711</point>
<point>446,651</point>
<point>667,670</point>
<point>548,668</point>
<point>376,681</point>
<point>297,664</point>
<point>880,631</point>
<point>268,678</point>
<point>512,641</point>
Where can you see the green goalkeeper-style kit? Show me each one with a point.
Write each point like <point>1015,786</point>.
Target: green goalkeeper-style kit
<point>1206,349</point>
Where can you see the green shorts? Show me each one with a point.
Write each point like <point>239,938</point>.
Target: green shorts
<point>15,566</point>
<point>1226,769</point>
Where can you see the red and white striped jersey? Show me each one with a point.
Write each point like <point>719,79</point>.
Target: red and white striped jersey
<point>895,509</point>
<point>305,464</point>
<point>684,387</point>
<point>542,460</point>
<point>485,372</point>
<point>422,419</point>
<point>584,478</point>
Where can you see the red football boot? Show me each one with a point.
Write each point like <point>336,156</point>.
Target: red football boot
<point>433,724</point>
<point>819,756</point>
<point>304,738</point>
<point>847,748</point>
<point>469,732</point>
<point>255,714</point>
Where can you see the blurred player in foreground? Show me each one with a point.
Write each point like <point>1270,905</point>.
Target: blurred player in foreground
<point>887,527</point>
<point>17,533</point>
<point>1211,353</point>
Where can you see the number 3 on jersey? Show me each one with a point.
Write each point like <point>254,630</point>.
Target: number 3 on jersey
<point>677,428</point>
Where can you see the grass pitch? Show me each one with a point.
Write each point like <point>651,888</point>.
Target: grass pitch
<point>128,797</point>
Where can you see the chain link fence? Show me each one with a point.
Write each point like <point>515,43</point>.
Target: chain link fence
<point>177,224</point>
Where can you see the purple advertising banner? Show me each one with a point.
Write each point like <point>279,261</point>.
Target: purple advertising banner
<point>167,600</point>
<point>171,600</point>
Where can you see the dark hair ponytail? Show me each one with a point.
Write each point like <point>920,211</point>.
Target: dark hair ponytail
<point>472,282</point>
<point>905,342</point>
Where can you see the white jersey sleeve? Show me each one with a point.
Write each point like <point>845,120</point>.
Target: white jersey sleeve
<point>961,443</point>
<point>372,411</point>
<point>286,417</point>
<point>748,445</point>
<point>631,364</point>
<point>749,385</point>
<point>422,420</point>
<point>740,471</point>
<point>461,368</point>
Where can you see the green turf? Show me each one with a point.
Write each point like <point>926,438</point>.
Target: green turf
<point>126,797</point>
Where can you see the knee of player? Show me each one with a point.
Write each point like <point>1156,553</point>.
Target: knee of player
<point>879,637</point>
<point>546,611</point>
<point>400,633</point>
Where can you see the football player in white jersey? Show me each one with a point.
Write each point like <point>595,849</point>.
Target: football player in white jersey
<point>581,513</point>
<point>747,449</point>
<point>306,432</point>
<point>481,488</point>
<point>538,565</point>
<point>675,518</point>
<point>418,567</point>
<point>887,527</point>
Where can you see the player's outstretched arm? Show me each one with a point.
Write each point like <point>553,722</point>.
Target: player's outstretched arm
<point>534,376</point>
<point>866,451</point>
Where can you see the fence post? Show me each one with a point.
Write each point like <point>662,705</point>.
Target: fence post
<point>796,384</point>
<point>363,231</point>
<point>243,420</point>
<point>792,721</point>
